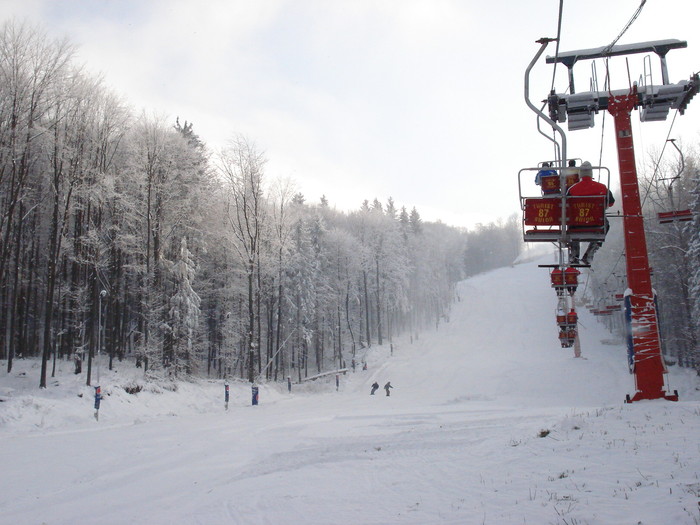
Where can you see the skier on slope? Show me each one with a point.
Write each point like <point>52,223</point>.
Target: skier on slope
<point>387,387</point>
<point>375,386</point>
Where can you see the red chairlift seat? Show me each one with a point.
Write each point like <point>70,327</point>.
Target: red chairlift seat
<point>567,324</point>
<point>561,320</point>
<point>551,185</point>
<point>567,338</point>
<point>585,219</point>
<point>557,278</point>
<point>571,279</point>
<point>675,216</point>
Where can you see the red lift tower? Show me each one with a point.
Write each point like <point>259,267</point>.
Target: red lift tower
<point>654,103</point>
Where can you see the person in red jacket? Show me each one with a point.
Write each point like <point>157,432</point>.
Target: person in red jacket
<point>585,188</point>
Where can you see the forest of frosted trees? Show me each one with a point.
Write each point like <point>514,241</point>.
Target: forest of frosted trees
<point>123,234</point>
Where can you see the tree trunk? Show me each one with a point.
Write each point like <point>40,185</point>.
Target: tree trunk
<point>367,323</point>
<point>51,276</point>
<point>379,307</point>
<point>251,321</point>
<point>278,329</point>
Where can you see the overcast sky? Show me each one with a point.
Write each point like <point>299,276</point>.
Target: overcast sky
<point>420,100</point>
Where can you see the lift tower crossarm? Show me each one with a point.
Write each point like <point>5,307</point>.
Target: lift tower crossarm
<point>660,47</point>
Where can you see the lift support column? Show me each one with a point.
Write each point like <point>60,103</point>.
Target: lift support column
<point>649,368</point>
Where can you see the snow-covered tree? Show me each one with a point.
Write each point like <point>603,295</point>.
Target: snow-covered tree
<point>693,228</point>
<point>241,165</point>
<point>184,312</point>
<point>668,189</point>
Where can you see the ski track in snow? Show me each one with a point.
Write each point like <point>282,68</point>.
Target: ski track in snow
<point>490,422</point>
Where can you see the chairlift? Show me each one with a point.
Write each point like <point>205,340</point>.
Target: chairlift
<point>557,280</point>
<point>543,220</point>
<point>568,328</point>
<point>567,337</point>
<point>666,217</point>
<point>675,215</point>
<point>571,279</point>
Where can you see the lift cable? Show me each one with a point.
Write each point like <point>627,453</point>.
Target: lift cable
<point>646,195</point>
<point>658,162</point>
<point>556,54</point>
<point>602,135</point>
<point>624,30</point>
<point>556,50</point>
<point>606,82</point>
<point>653,178</point>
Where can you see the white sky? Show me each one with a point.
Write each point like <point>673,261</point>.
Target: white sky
<point>421,100</point>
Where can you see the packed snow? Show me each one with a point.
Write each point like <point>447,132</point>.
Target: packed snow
<point>489,422</point>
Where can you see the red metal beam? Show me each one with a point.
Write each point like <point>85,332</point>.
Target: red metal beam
<point>649,368</point>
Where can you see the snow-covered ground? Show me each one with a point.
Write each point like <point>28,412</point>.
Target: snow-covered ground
<point>490,422</point>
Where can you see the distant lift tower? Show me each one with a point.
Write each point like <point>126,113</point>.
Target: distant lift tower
<point>654,103</point>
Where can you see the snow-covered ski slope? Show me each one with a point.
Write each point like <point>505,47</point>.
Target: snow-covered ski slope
<point>490,422</point>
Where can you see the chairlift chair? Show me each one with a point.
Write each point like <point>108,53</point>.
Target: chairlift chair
<point>666,217</point>
<point>542,215</point>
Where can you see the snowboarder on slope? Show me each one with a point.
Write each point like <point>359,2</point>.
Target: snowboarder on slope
<point>375,386</point>
<point>387,387</point>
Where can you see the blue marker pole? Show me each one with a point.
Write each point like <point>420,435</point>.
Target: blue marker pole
<point>226,394</point>
<point>98,398</point>
<point>255,395</point>
<point>289,383</point>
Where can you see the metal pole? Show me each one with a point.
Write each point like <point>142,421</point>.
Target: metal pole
<point>541,114</point>
<point>99,332</point>
<point>555,126</point>
<point>99,335</point>
<point>674,179</point>
<point>98,390</point>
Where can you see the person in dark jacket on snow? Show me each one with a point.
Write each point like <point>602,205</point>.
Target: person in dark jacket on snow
<point>387,387</point>
<point>375,386</point>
